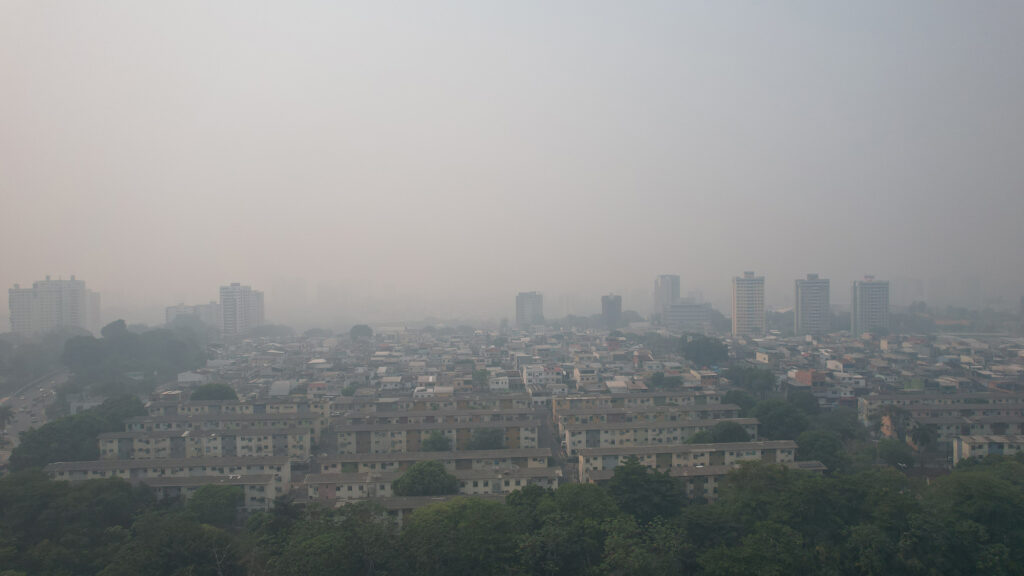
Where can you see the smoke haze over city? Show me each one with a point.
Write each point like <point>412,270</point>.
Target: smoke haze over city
<point>395,161</point>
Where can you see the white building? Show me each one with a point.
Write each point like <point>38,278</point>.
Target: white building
<point>241,309</point>
<point>53,304</point>
<point>748,305</point>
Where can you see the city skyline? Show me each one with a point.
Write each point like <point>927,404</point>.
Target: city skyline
<point>706,144</point>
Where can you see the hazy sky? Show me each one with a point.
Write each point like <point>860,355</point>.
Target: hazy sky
<point>389,160</point>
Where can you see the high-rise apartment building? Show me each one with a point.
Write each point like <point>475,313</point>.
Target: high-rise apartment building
<point>611,311</point>
<point>870,307</point>
<point>241,309</point>
<point>666,293</point>
<point>748,305</point>
<point>529,309</point>
<point>811,312</point>
<point>54,304</point>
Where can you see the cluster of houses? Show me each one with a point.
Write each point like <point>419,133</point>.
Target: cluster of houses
<point>332,420</point>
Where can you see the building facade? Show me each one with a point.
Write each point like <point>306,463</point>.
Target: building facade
<point>869,309</point>
<point>611,311</point>
<point>666,293</point>
<point>688,316</point>
<point>52,305</point>
<point>811,310</point>
<point>748,305</point>
<point>241,309</point>
<point>529,309</point>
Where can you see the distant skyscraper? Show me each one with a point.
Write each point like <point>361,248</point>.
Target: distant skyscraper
<point>529,309</point>
<point>53,304</point>
<point>666,293</point>
<point>811,314</point>
<point>870,307</point>
<point>748,305</point>
<point>611,311</point>
<point>241,309</point>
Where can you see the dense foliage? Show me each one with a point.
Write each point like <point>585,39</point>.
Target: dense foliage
<point>425,479</point>
<point>704,351</point>
<point>74,438</point>
<point>213,392</point>
<point>767,520</point>
<point>123,361</point>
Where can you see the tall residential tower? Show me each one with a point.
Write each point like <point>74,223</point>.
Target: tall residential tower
<point>811,313</point>
<point>241,309</point>
<point>748,305</point>
<point>870,307</point>
<point>666,293</point>
<point>529,309</point>
<point>611,311</point>
<point>54,304</point>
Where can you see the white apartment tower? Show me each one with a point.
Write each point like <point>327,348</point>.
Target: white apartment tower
<point>748,305</point>
<point>53,304</point>
<point>529,309</point>
<point>241,309</point>
<point>870,307</point>
<point>811,312</point>
<point>666,293</point>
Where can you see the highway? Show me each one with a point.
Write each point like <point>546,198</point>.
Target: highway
<point>29,403</point>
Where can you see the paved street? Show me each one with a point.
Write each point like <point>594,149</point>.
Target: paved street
<point>29,404</point>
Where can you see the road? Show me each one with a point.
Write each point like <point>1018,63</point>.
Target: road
<point>29,404</point>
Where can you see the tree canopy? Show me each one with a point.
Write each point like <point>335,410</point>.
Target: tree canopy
<point>213,391</point>
<point>425,479</point>
<point>74,438</point>
<point>361,332</point>
<point>704,350</point>
<point>487,439</point>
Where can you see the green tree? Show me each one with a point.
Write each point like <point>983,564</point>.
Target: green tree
<point>659,381</point>
<point>487,439</point>
<point>757,381</point>
<point>425,479</point>
<point>480,378</point>
<point>704,350</point>
<point>823,446</point>
<point>573,528</point>
<point>895,452</point>
<point>462,536</point>
<point>361,332</point>
<point>357,539</point>
<point>729,432</point>
<point>741,398</point>
<point>73,438</point>
<point>213,392</point>
<point>645,494</point>
<point>436,442</point>
<point>169,544</point>
<point>779,420</point>
<point>771,550</point>
<point>216,504</point>
<point>804,401</point>
<point>657,549</point>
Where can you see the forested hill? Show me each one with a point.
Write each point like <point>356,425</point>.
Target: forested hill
<point>767,521</point>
